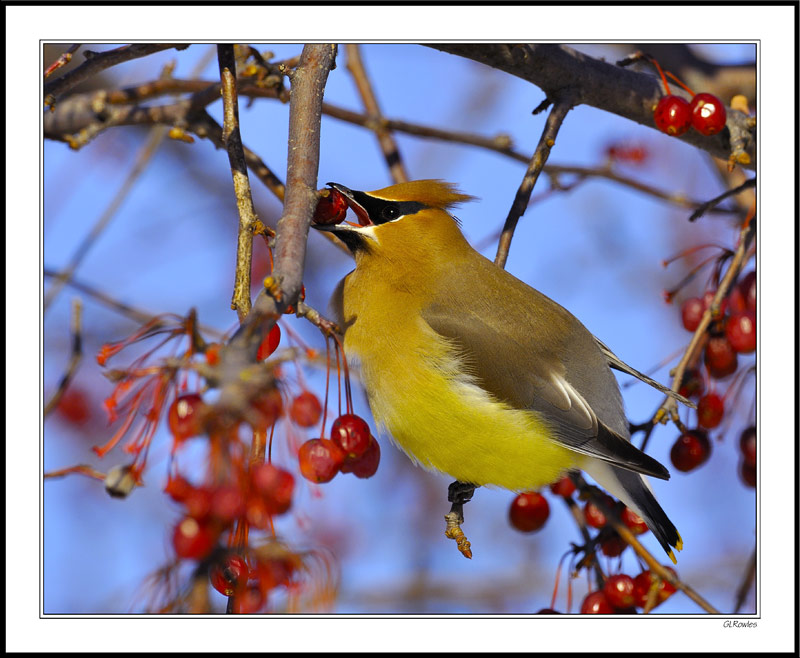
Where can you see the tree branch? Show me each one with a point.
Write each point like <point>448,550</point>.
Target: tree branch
<point>63,60</point>
<point>629,94</point>
<point>138,315</point>
<point>75,114</point>
<point>146,153</point>
<point>232,139</point>
<point>305,113</point>
<point>376,121</point>
<point>702,209</point>
<point>97,62</point>
<point>670,406</point>
<point>563,104</point>
<point>75,358</point>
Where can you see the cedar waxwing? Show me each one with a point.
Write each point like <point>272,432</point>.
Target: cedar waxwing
<point>471,371</point>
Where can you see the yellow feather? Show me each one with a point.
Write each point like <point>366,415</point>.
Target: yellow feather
<point>432,192</point>
<point>433,410</point>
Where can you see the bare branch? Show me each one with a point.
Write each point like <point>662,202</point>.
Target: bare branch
<point>97,62</point>
<point>747,583</point>
<point>232,139</point>
<point>63,60</point>
<point>722,80</point>
<point>75,113</point>
<point>629,94</point>
<point>554,120</point>
<point>138,315</point>
<point>75,358</point>
<point>376,121</point>
<point>705,207</point>
<point>669,407</point>
<point>143,159</point>
<point>305,113</point>
<point>656,567</point>
<point>204,125</point>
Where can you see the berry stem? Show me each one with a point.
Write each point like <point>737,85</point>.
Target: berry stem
<point>338,375</point>
<point>327,381</point>
<point>680,84</point>
<point>269,445</point>
<point>691,250</point>
<point>653,61</point>
<point>348,393</point>
<point>669,294</point>
<point>669,407</point>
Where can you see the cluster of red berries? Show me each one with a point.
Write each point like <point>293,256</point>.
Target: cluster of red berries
<point>674,115</point>
<point>249,584</point>
<point>268,345</point>
<point>611,544</point>
<point>747,446</point>
<point>530,510</point>
<point>622,594</point>
<point>351,449</point>
<point>731,333</point>
<point>209,510</point>
<point>240,494</point>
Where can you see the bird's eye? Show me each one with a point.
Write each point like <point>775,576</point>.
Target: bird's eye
<point>389,213</point>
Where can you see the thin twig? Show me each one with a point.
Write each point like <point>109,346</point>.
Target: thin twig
<point>703,208</point>
<point>127,310</point>
<point>146,153</point>
<point>82,469</point>
<point>137,315</point>
<point>656,567</point>
<point>377,122</point>
<point>207,127</point>
<point>317,319</point>
<point>580,521</point>
<point>232,139</point>
<point>97,62</point>
<point>747,583</point>
<point>66,58</point>
<point>76,354</point>
<point>669,409</point>
<point>561,106</point>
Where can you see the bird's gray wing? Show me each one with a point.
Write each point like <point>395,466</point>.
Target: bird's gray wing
<point>618,364</point>
<point>522,368</point>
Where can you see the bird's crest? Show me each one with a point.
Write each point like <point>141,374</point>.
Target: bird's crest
<point>432,192</point>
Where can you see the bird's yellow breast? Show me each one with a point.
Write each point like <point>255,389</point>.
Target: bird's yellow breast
<point>434,410</point>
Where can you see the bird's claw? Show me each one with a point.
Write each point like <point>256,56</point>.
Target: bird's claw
<point>453,531</point>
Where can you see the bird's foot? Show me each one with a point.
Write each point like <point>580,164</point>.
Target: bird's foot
<point>454,531</point>
<point>458,493</point>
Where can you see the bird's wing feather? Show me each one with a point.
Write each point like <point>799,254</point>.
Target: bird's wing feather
<point>538,381</point>
<point>618,364</point>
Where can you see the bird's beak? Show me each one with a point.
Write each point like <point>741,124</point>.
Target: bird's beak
<point>354,201</point>
<point>348,232</point>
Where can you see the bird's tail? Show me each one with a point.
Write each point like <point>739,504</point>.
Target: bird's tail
<point>633,490</point>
